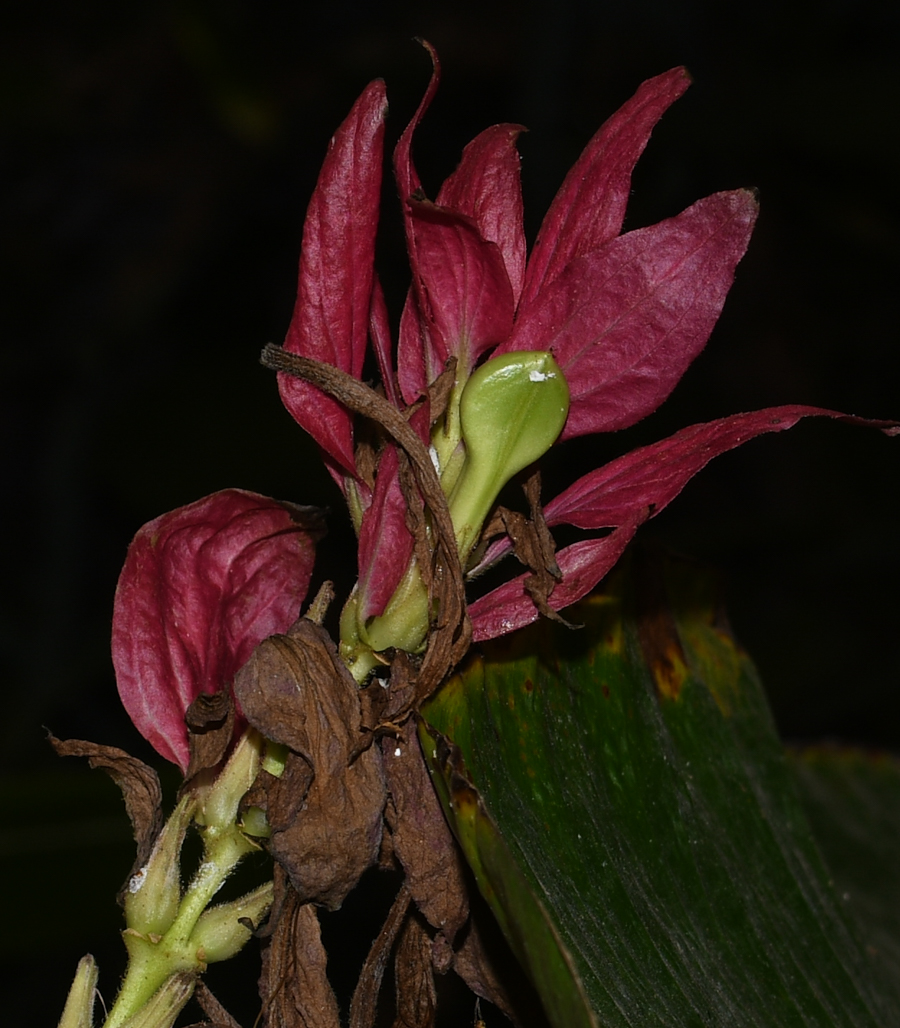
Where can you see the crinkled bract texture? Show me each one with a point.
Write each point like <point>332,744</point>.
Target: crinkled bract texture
<point>201,587</point>
<point>331,316</point>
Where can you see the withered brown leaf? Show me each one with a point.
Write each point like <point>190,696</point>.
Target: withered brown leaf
<point>217,1014</point>
<point>293,986</point>
<point>422,840</point>
<point>296,691</point>
<point>440,389</point>
<point>486,964</point>
<point>138,782</point>
<point>210,722</point>
<point>364,1006</point>
<point>385,703</point>
<point>414,977</point>
<point>451,631</point>
<point>533,545</point>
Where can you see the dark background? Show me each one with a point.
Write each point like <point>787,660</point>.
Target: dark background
<point>156,166</point>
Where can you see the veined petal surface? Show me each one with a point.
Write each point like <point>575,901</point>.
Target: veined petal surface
<point>201,587</point>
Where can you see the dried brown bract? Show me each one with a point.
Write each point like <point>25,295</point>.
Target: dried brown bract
<point>326,812</point>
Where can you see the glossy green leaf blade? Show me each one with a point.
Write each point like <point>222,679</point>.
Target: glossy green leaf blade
<point>527,925</point>
<point>852,799</point>
<point>632,773</point>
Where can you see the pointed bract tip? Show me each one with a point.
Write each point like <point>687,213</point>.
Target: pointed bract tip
<point>684,73</point>
<point>435,60</point>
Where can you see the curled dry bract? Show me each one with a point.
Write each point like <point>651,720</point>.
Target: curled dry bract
<point>296,691</point>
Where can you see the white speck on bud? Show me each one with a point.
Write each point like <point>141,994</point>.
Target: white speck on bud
<point>153,893</point>
<point>435,460</point>
<point>137,880</point>
<point>540,376</point>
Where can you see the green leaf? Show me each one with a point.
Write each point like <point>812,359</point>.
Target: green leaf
<point>852,799</point>
<point>629,814</point>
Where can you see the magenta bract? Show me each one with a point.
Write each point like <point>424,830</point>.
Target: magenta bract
<point>623,494</point>
<point>331,316</point>
<point>201,587</point>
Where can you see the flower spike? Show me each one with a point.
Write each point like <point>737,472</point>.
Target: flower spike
<point>619,317</point>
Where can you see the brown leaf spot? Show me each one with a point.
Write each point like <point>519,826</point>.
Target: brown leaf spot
<point>657,631</point>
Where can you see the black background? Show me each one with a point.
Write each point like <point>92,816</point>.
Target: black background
<point>156,166</point>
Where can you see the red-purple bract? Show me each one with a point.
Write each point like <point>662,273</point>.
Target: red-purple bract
<point>202,586</point>
<point>624,315</point>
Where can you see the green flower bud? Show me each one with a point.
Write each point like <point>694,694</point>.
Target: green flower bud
<point>79,1008</point>
<point>512,411</point>
<point>154,893</point>
<point>219,933</point>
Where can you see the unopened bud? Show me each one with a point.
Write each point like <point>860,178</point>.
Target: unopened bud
<point>274,758</point>
<point>512,411</point>
<point>221,931</point>
<point>255,824</point>
<point>79,1008</point>
<point>154,892</point>
<point>220,805</point>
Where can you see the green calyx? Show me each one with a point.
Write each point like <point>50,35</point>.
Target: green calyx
<point>153,894</point>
